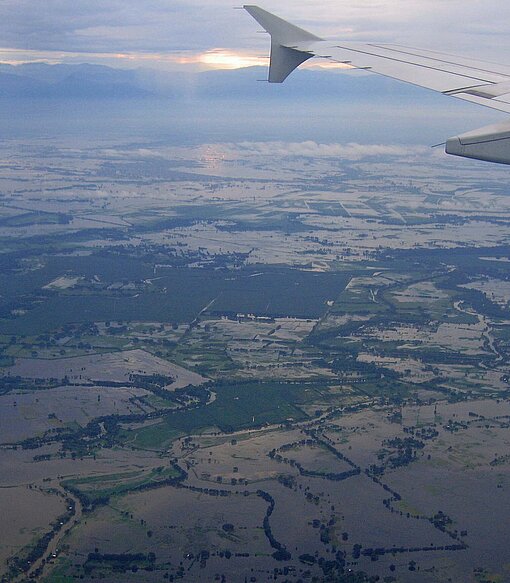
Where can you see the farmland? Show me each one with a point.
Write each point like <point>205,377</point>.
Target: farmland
<point>214,370</point>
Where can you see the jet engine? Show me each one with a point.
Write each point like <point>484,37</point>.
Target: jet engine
<point>490,143</point>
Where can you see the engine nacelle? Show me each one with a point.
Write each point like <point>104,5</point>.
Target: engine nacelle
<point>491,144</point>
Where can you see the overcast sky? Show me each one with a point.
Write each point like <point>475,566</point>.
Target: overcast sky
<point>176,34</point>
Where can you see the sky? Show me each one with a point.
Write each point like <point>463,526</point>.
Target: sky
<point>199,35</point>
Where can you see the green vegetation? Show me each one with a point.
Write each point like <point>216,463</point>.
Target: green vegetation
<point>176,295</point>
<point>237,406</point>
<point>35,218</point>
<point>59,573</point>
<point>97,488</point>
<point>103,564</point>
<point>156,436</point>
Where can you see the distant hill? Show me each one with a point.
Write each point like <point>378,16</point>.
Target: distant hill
<point>40,80</point>
<point>68,81</point>
<point>12,85</point>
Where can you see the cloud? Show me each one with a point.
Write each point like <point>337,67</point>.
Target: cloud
<point>235,151</point>
<point>311,149</point>
<point>94,28</point>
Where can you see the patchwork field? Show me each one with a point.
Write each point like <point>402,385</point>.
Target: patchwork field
<point>218,364</point>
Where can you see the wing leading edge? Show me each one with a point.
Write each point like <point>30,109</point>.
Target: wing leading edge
<point>474,81</point>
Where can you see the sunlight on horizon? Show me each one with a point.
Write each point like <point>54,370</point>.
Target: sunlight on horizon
<point>225,59</point>
<point>213,59</point>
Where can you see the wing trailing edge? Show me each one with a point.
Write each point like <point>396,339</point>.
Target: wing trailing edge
<point>285,37</point>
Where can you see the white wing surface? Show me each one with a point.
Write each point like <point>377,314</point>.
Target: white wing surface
<point>475,81</point>
<point>484,83</point>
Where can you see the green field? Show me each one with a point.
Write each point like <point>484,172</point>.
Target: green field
<point>34,218</point>
<point>237,406</point>
<point>281,292</point>
<point>100,487</point>
<point>177,295</point>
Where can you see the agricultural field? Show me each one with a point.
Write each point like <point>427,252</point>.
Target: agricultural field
<point>218,367</point>
<point>407,479</point>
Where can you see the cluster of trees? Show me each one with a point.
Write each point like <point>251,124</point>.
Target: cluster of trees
<point>374,553</point>
<point>120,563</point>
<point>281,553</point>
<point>334,477</point>
<point>13,383</point>
<point>334,569</point>
<point>153,382</point>
<point>454,426</point>
<point>207,491</point>
<point>287,481</point>
<point>403,451</point>
<point>441,520</point>
<point>426,433</point>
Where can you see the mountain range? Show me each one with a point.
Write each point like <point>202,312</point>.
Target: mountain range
<point>86,81</point>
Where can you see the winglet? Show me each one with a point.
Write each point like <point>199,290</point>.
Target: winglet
<point>285,37</point>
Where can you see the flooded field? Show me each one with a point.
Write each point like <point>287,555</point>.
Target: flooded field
<point>252,362</point>
<point>26,515</point>
<point>326,494</point>
<point>117,367</point>
<point>24,415</point>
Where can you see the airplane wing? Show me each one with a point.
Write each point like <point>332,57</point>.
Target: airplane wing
<point>478,82</point>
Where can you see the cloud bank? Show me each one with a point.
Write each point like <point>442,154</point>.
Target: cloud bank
<point>311,149</point>
<point>235,151</point>
<point>156,29</point>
